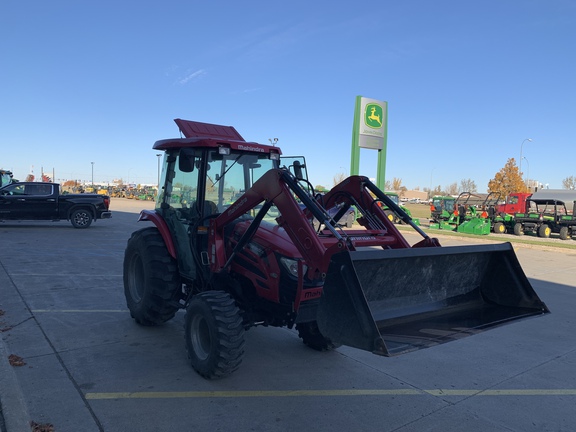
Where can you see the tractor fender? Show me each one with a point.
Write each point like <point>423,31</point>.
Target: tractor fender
<point>160,223</point>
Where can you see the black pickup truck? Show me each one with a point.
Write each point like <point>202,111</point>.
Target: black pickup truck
<point>43,201</point>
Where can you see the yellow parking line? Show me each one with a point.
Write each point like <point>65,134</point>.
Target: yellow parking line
<point>504,392</point>
<point>297,393</point>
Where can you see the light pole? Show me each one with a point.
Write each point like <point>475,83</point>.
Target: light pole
<point>430,189</point>
<point>158,156</point>
<point>528,177</point>
<point>92,174</point>
<point>521,145</point>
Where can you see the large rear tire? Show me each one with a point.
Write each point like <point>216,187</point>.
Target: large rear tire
<point>311,336</point>
<point>152,284</point>
<point>518,229</point>
<point>564,234</point>
<point>214,334</point>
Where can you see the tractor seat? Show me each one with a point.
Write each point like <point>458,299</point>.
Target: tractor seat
<point>210,208</point>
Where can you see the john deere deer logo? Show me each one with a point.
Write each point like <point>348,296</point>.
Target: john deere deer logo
<point>373,116</point>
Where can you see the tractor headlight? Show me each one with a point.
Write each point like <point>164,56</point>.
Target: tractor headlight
<point>291,265</point>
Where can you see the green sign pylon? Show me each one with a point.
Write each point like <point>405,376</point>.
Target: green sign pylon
<point>370,131</point>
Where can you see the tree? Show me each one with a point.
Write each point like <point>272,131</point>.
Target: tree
<point>396,184</point>
<point>338,178</point>
<point>569,183</point>
<point>402,191</point>
<point>452,189</point>
<point>437,191</point>
<point>507,180</point>
<point>468,185</point>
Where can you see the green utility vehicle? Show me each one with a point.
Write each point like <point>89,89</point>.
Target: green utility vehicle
<point>479,216</point>
<point>544,217</point>
<point>442,213</point>
<point>392,215</point>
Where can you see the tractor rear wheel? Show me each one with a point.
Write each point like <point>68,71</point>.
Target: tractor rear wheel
<point>518,230</point>
<point>499,228</point>
<point>564,233</point>
<point>214,334</point>
<point>544,231</point>
<point>152,284</point>
<point>311,336</point>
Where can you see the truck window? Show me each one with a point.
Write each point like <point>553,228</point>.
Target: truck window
<point>38,189</point>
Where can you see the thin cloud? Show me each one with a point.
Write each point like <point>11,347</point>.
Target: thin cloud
<point>249,90</point>
<point>194,75</point>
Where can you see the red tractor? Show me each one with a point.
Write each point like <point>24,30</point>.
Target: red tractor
<point>239,239</point>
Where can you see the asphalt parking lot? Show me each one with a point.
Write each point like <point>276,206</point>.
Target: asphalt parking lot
<point>89,367</point>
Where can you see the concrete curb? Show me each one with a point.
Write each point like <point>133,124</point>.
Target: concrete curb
<point>12,402</point>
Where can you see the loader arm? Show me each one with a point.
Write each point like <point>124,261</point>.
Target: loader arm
<point>360,192</point>
<point>278,187</point>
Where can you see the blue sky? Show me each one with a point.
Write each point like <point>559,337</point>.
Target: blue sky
<point>466,83</point>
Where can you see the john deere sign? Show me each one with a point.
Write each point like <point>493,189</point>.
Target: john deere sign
<point>370,131</point>
<point>373,116</point>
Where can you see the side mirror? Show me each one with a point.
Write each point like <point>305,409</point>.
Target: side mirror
<point>298,169</point>
<point>186,160</point>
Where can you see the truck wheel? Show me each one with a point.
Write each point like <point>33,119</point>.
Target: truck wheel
<point>544,231</point>
<point>214,334</point>
<point>81,218</point>
<point>518,230</point>
<point>311,336</point>
<point>564,233</point>
<point>499,228</point>
<point>152,284</point>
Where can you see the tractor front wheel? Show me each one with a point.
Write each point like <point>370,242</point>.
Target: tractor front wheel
<point>152,284</point>
<point>311,336</point>
<point>214,334</point>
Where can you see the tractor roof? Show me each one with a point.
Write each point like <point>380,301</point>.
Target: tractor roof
<point>200,134</point>
<point>192,129</point>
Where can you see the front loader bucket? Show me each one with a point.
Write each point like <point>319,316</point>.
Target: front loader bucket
<point>393,301</point>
